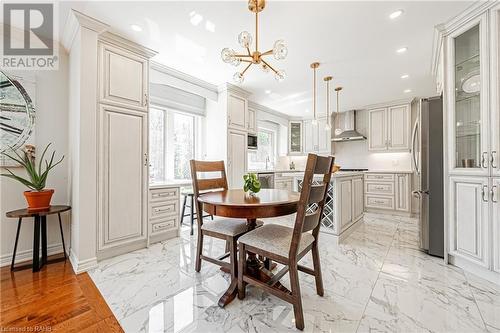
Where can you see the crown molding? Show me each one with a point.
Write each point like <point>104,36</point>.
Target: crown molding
<point>127,44</point>
<point>259,107</point>
<point>444,29</point>
<point>183,76</point>
<point>74,22</point>
<point>386,104</point>
<point>228,87</point>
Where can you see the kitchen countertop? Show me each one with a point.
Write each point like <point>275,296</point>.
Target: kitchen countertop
<point>170,183</point>
<point>274,171</point>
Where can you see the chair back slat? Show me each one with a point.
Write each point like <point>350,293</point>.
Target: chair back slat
<point>211,184</point>
<point>323,165</point>
<point>317,193</point>
<point>311,221</point>
<point>205,184</point>
<point>312,197</point>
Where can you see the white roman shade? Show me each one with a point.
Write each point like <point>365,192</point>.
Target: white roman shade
<point>174,98</point>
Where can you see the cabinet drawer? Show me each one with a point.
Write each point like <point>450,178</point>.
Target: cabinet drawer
<point>164,209</point>
<point>379,202</point>
<point>163,194</point>
<point>164,225</point>
<point>380,176</point>
<point>385,188</point>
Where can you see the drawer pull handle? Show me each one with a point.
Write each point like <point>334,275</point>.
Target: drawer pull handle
<point>158,210</point>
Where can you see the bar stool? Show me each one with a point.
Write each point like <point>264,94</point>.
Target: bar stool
<point>188,192</point>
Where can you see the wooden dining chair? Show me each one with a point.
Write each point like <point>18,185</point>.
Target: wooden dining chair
<point>288,245</point>
<point>228,229</point>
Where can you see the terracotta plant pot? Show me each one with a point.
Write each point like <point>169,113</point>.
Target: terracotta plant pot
<point>38,200</point>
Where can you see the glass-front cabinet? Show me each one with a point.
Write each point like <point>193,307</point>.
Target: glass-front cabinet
<point>295,141</point>
<point>469,61</point>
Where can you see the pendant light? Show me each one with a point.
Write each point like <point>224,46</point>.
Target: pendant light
<point>327,79</point>
<point>314,66</point>
<point>338,130</point>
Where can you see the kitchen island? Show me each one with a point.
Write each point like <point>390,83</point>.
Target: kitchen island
<point>344,203</point>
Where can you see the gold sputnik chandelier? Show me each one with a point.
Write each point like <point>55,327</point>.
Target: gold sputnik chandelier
<point>279,50</point>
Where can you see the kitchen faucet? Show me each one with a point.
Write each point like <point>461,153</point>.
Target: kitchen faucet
<point>267,161</point>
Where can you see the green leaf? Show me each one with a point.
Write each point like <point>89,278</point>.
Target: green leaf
<point>41,159</point>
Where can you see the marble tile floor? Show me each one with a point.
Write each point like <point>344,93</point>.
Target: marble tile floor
<point>375,281</point>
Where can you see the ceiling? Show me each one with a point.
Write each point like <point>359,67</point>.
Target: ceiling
<point>355,42</point>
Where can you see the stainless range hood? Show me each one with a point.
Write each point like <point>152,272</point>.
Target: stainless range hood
<point>347,123</point>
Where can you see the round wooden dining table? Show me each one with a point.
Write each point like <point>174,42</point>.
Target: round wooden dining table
<point>235,203</point>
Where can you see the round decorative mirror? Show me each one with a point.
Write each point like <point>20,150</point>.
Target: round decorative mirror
<point>17,113</point>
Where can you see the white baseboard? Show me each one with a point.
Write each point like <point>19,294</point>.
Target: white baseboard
<point>27,255</point>
<point>80,266</point>
<point>474,269</point>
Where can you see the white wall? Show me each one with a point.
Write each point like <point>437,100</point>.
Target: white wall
<point>50,126</point>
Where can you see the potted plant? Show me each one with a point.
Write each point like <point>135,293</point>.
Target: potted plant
<point>38,197</point>
<point>251,183</point>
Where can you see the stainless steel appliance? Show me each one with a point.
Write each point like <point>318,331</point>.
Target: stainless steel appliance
<point>427,161</point>
<point>252,141</point>
<point>266,179</point>
<point>345,123</point>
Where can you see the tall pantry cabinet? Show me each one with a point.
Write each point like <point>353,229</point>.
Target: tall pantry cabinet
<point>467,68</point>
<point>122,145</point>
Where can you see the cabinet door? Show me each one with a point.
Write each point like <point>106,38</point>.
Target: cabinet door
<point>124,78</point>
<point>237,112</point>
<point>467,99</point>
<point>309,141</point>
<point>357,197</point>
<point>295,137</point>
<point>495,90</point>
<point>495,199</point>
<point>469,218</point>
<point>324,137</point>
<point>252,121</point>
<point>403,192</point>
<point>345,204</point>
<point>398,118</point>
<point>123,176</point>
<point>377,129</point>
<point>237,158</point>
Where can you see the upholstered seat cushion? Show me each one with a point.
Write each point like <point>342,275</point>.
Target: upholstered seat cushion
<point>275,239</point>
<point>227,226</point>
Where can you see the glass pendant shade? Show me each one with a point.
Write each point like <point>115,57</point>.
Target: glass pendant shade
<point>338,131</point>
<point>227,55</point>
<point>280,75</point>
<point>327,127</point>
<point>236,61</point>
<point>238,77</point>
<point>245,39</point>
<point>314,122</point>
<point>280,51</point>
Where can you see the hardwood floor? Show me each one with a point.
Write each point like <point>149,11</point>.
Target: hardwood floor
<point>54,299</point>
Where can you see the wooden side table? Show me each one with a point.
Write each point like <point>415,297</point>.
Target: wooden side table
<point>40,226</point>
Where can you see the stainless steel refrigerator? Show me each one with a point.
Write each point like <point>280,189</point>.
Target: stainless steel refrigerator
<point>427,161</point>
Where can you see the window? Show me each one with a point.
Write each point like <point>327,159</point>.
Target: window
<point>266,144</point>
<point>171,144</point>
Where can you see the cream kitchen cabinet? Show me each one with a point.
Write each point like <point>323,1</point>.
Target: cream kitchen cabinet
<point>237,112</point>
<point>123,79</point>
<point>122,178</point>
<point>316,137</point>
<point>389,128</point>
<point>252,121</point>
<point>388,191</point>
<point>345,202</point>
<point>470,215</point>
<point>495,203</point>
<point>357,198</point>
<point>164,213</point>
<point>236,157</point>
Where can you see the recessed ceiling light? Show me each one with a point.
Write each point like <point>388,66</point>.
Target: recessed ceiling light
<point>195,18</point>
<point>135,27</point>
<point>267,91</point>
<point>405,76</point>
<point>210,26</point>
<point>407,91</point>
<point>396,14</point>
<point>402,50</point>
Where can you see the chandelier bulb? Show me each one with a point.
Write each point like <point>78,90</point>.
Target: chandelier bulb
<point>245,39</point>
<point>227,55</point>
<point>238,77</point>
<point>280,51</point>
<point>280,75</point>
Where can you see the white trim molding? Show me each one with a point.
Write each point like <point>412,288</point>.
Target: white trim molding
<point>81,266</point>
<point>259,107</point>
<point>231,88</point>
<point>74,22</point>
<point>183,76</point>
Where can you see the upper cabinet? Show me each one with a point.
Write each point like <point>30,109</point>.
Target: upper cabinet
<point>252,121</point>
<point>316,137</point>
<point>295,137</point>
<point>389,128</point>
<point>467,86</point>
<point>237,112</point>
<point>123,77</point>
